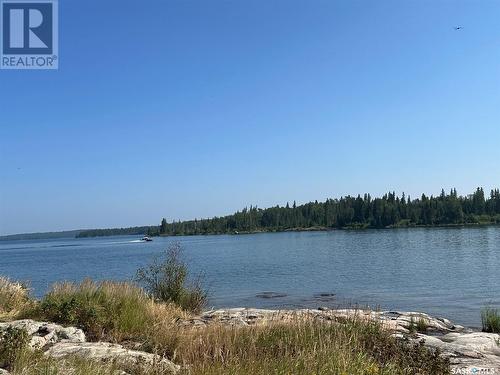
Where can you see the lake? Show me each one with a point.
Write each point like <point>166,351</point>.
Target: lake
<point>449,272</point>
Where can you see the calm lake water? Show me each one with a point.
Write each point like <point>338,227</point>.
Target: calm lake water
<point>450,272</point>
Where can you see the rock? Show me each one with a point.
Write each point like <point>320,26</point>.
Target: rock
<point>467,351</point>
<point>269,295</point>
<point>44,334</point>
<point>111,352</point>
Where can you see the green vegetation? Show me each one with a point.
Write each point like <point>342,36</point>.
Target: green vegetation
<point>490,319</point>
<point>112,311</point>
<point>109,311</point>
<point>165,280</point>
<point>347,212</point>
<point>13,342</point>
<point>351,212</point>
<point>420,325</point>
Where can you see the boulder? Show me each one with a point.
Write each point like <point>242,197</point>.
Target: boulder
<point>44,334</point>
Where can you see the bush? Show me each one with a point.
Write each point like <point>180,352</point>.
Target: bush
<point>14,298</point>
<point>165,280</point>
<point>490,319</point>
<point>13,341</point>
<point>422,325</point>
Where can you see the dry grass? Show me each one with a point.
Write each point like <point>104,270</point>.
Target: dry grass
<point>14,298</point>
<point>113,311</point>
<point>29,362</point>
<point>304,346</point>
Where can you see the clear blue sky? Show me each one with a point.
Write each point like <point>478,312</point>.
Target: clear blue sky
<point>184,109</point>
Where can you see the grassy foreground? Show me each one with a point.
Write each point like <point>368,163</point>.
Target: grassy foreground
<point>124,313</point>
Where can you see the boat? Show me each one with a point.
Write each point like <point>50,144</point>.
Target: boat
<point>146,239</point>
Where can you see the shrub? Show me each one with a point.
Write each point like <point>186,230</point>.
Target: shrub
<point>422,325</point>
<point>13,341</point>
<point>14,297</point>
<point>490,319</point>
<point>165,279</point>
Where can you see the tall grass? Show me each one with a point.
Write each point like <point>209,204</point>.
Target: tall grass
<point>34,362</point>
<point>305,346</point>
<point>113,311</point>
<point>490,319</point>
<point>14,298</point>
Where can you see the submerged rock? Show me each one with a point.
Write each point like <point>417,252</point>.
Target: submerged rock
<point>324,297</point>
<point>269,295</point>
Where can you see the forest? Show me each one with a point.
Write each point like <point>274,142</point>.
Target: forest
<point>347,212</point>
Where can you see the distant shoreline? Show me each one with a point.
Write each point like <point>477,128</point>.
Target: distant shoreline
<point>326,229</point>
<point>74,233</point>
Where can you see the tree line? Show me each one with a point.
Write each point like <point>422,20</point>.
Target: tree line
<point>117,231</point>
<point>364,211</point>
<point>351,212</point>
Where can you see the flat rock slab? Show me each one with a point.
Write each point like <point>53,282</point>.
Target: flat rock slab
<point>467,351</point>
<point>111,352</point>
<point>397,321</point>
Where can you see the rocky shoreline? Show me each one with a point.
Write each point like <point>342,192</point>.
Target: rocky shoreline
<point>469,351</point>
<point>466,349</point>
